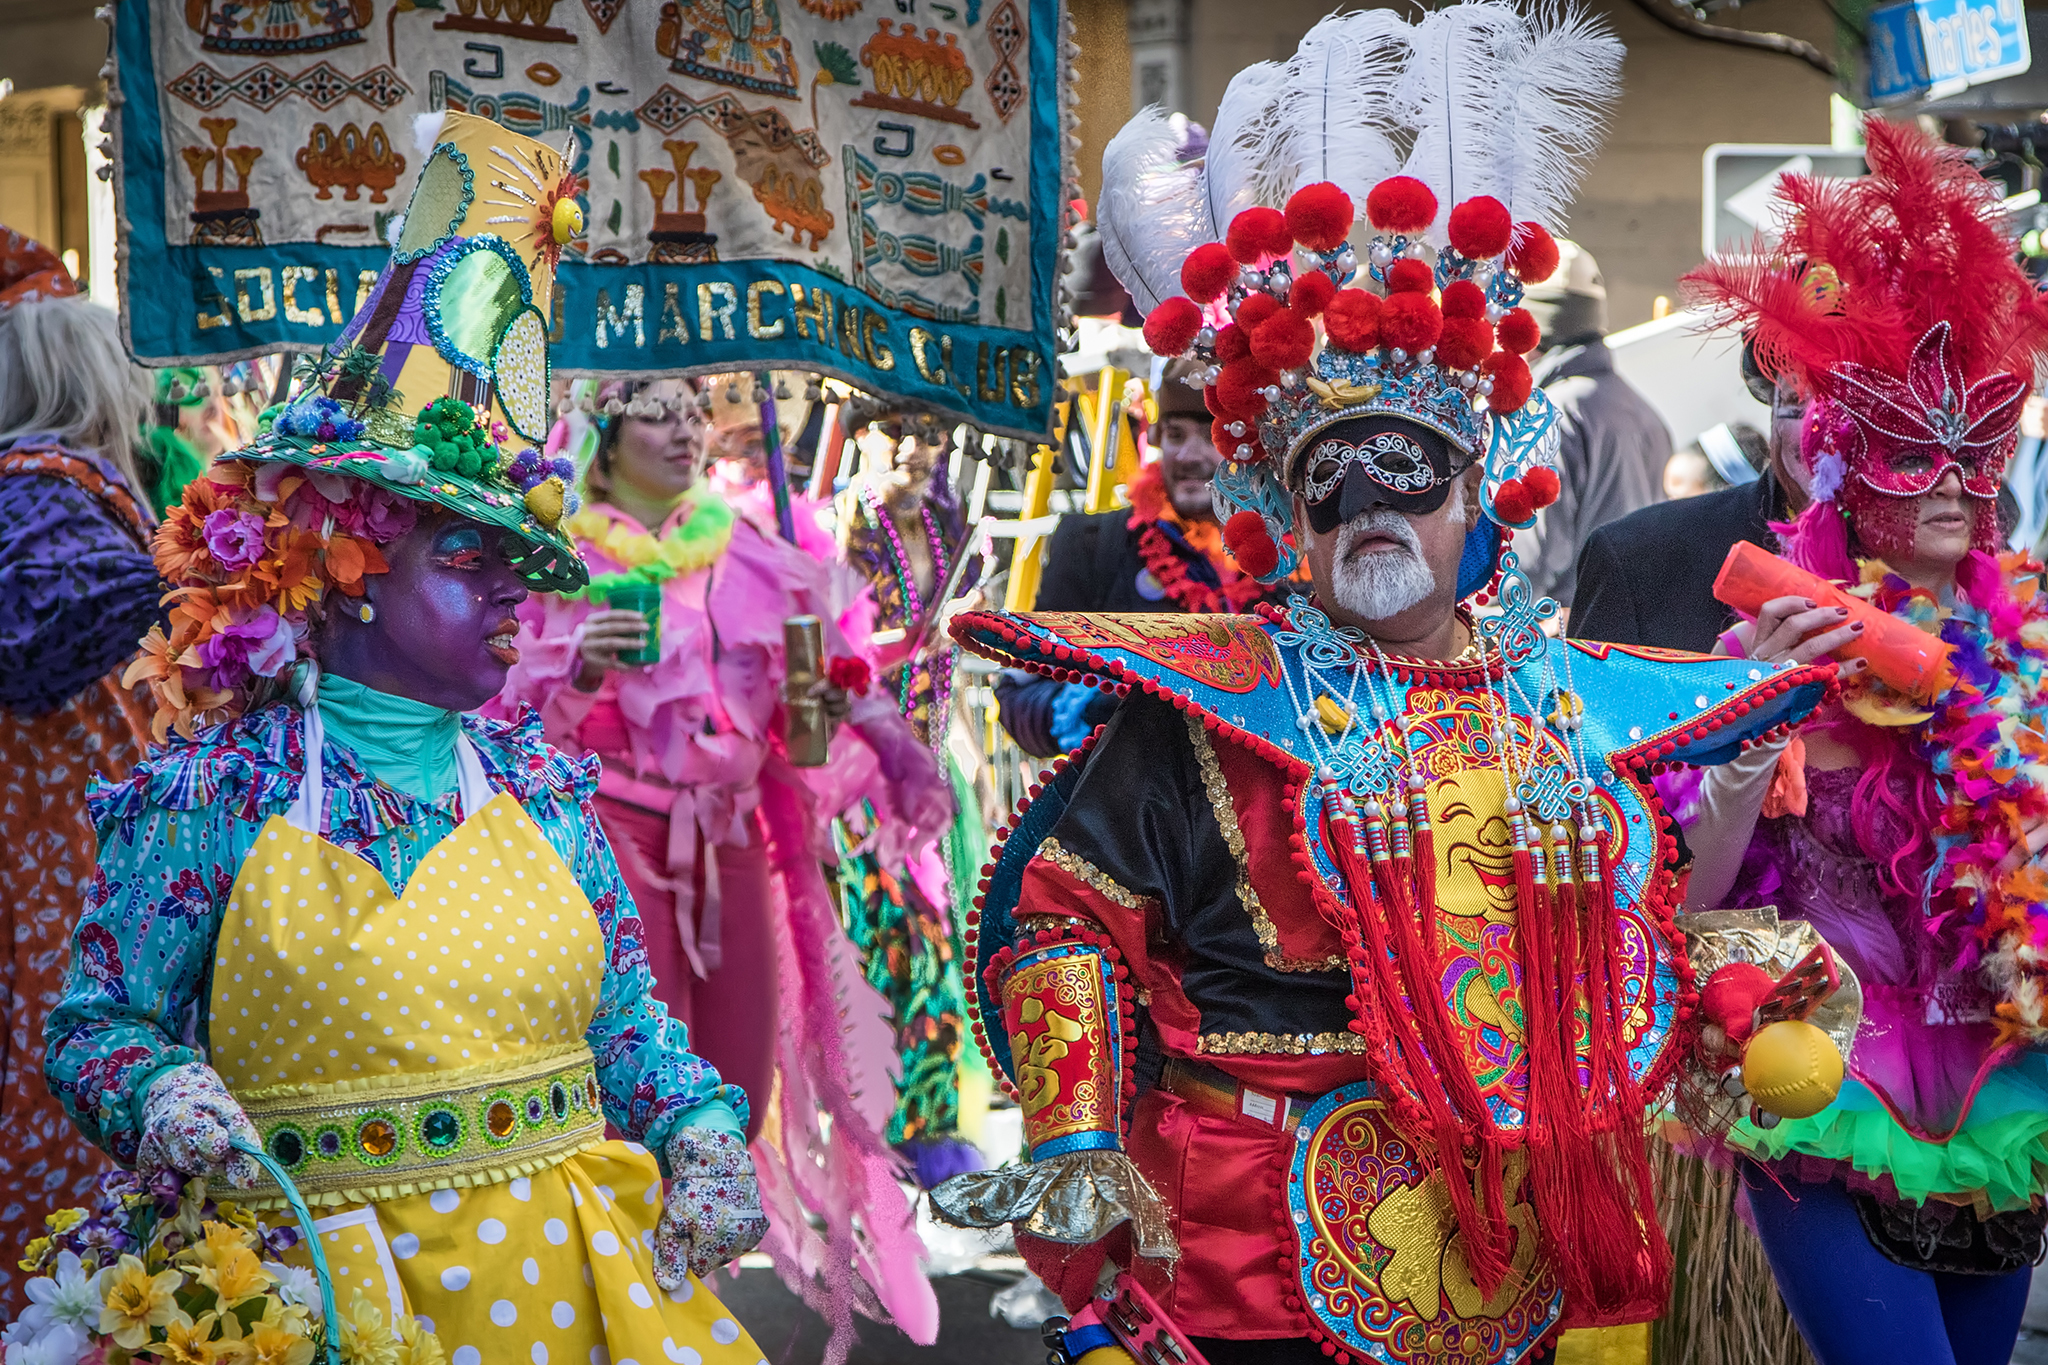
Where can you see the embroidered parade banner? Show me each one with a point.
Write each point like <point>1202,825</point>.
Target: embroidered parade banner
<point>865,188</point>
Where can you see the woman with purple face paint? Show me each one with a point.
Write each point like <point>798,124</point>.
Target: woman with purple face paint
<point>385,939</point>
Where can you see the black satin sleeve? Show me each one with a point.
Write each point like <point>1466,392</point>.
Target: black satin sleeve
<point>1141,816</point>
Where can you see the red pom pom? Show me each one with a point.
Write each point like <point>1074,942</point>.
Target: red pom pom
<point>1284,341</point>
<point>1533,257</point>
<point>1409,276</point>
<point>1246,535</point>
<point>1352,320</point>
<point>1255,309</point>
<point>849,673</point>
<point>1517,331</point>
<point>1238,388</point>
<point>1207,272</point>
<point>1410,321</point>
<point>1228,442</point>
<point>1731,996</point>
<point>1465,342</point>
<point>1311,293</point>
<point>1232,343</point>
<point>1320,216</point>
<point>1172,326</point>
<point>1511,381</point>
<point>1543,486</point>
<point>1480,227</point>
<point>1512,504</point>
<point>1400,204</point>
<point>1257,234</point>
<point>1463,299</point>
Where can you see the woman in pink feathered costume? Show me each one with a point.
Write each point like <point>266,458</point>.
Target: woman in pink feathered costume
<point>720,839</point>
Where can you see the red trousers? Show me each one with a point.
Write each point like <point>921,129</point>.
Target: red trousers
<point>731,1014</point>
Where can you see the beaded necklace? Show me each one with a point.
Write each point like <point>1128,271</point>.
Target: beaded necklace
<point>1371,796</point>
<point>940,667</point>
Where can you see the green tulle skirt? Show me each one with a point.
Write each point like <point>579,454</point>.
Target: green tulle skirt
<point>2000,1153</point>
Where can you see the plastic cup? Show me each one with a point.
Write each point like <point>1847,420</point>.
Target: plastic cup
<point>644,598</point>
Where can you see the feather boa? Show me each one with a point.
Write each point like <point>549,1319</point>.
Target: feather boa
<point>1987,746</point>
<point>841,1231</point>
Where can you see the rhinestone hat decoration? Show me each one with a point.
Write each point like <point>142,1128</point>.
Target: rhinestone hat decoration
<point>1462,135</point>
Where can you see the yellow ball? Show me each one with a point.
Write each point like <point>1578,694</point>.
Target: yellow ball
<point>568,221</point>
<point>1792,1069</point>
<point>1107,1355</point>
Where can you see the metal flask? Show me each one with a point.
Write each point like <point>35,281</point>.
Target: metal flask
<point>806,733</point>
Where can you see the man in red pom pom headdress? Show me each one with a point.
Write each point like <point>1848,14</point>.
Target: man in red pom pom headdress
<point>1335,973</point>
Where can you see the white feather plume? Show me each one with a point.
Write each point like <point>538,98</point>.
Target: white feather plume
<point>1152,212</point>
<point>1235,175</point>
<point>1337,120</point>
<point>1560,80</point>
<point>1447,93</point>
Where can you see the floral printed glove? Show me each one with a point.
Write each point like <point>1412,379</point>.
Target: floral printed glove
<point>187,1121</point>
<point>713,1211</point>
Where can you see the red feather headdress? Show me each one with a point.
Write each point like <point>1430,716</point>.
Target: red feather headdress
<point>1896,303</point>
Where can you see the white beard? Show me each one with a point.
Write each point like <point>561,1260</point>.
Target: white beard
<point>1375,587</point>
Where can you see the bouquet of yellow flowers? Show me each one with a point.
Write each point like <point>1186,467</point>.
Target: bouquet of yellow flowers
<point>159,1273</point>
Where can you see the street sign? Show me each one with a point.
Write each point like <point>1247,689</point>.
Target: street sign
<point>1931,49</point>
<point>1741,181</point>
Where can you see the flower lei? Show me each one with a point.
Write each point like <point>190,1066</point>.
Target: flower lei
<point>1986,743</point>
<point>160,1270</point>
<point>249,550</point>
<point>695,543</point>
<point>1149,508</point>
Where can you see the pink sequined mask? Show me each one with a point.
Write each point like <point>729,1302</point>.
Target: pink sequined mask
<point>1908,434</point>
<point>1898,439</point>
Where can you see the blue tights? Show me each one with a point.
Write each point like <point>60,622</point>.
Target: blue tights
<point>1856,1307</point>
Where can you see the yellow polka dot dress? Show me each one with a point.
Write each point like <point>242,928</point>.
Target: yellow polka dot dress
<point>418,1060</point>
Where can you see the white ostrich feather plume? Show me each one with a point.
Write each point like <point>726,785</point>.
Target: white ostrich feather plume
<point>1482,97</point>
<point>1337,120</point>
<point>1509,104</point>
<point>1235,173</point>
<point>1561,77</point>
<point>1152,212</point>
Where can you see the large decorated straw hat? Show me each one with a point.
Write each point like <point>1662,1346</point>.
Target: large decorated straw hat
<point>438,388</point>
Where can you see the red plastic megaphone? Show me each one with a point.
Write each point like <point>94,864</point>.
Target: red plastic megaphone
<point>1904,657</point>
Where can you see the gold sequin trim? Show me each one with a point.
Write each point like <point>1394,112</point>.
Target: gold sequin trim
<point>1079,868</point>
<point>1226,820</point>
<point>1288,1044</point>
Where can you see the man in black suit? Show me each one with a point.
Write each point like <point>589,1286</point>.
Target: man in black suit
<point>1648,578</point>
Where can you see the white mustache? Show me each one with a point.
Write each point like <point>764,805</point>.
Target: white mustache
<point>1379,521</point>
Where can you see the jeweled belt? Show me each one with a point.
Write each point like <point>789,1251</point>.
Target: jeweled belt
<point>387,1137</point>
